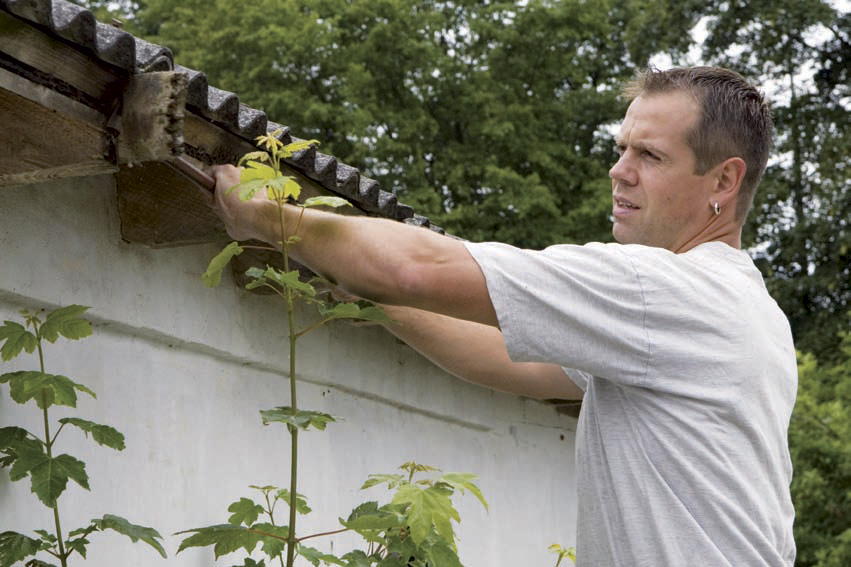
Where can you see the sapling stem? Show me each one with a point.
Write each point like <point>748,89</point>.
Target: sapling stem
<point>291,541</point>
<point>323,534</point>
<point>48,444</point>
<point>293,338</point>
<point>311,328</point>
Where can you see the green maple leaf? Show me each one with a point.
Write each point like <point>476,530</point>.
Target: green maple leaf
<point>17,338</point>
<point>291,279</point>
<point>248,189</point>
<point>102,434</point>
<point>225,538</point>
<point>369,517</point>
<point>245,511</point>
<point>326,201</point>
<point>283,187</point>
<point>48,475</point>
<point>361,311</point>
<point>213,276</point>
<point>400,547</point>
<point>10,436</point>
<point>464,482</point>
<point>16,547</point>
<point>441,553</point>
<point>427,508</point>
<point>66,321</point>
<point>133,531</point>
<point>302,419</point>
<point>391,480</point>
<point>12,441</point>
<point>255,156</point>
<point>78,544</point>
<point>298,146</point>
<point>45,389</point>
<point>300,501</point>
<point>255,171</point>
<point>273,538</point>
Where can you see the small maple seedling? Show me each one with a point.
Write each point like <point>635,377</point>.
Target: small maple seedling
<point>415,528</point>
<point>30,456</point>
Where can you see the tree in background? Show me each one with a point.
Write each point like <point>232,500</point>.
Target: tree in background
<point>116,11</point>
<point>800,224</point>
<point>819,442</point>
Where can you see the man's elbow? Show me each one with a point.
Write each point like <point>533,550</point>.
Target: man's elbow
<point>396,282</point>
<point>411,284</point>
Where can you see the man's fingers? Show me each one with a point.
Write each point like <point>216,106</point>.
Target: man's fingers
<point>226,176</point>
<point>227,205</point>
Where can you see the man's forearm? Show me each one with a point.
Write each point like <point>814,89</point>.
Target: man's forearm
<point>378,259</point>
<point>392,263</point>
<point>476,353</point>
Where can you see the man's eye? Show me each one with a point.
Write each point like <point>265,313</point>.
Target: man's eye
<point>650,155</point>
<point>620,150</point>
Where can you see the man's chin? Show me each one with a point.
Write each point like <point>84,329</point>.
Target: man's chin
<point>622,235</point>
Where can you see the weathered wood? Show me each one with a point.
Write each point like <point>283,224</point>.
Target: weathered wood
<point>151,119</point>
<point>211,144</point>
<point>159,207</point>
<point>38,138</point>
<point>194,172</point>
<point>55,64</point>
<point>83,169</point>
<point>51,99</point>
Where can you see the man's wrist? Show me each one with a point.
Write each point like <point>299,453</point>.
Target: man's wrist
<point>262,221</point>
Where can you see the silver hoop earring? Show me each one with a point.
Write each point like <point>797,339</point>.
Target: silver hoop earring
<point>717,209</point>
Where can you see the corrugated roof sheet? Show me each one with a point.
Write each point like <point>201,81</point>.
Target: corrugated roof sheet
<point>111,45</point>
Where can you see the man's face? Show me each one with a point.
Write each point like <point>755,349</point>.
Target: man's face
<point>657,198</point>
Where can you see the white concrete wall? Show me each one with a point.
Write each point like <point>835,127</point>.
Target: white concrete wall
<point>182,371</point>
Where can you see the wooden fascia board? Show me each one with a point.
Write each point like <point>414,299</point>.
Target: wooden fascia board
<point>42,58</point>
<point>48,136</point>
<point>160,207</point>
<point>55,102</point>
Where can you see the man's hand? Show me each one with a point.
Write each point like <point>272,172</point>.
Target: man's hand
<point>243,219</point>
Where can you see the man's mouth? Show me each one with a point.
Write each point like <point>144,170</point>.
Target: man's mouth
<point>625,204</point>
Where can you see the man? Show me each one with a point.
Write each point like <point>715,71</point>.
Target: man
<point>684,363</point>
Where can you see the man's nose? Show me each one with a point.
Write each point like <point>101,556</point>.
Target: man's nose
<point>622,171</point>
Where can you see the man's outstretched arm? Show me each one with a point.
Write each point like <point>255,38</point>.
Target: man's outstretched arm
<point>431,287</point>
<point>381,260</point>
<point>476,353</point>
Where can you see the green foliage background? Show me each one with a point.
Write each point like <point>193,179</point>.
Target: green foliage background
<point>494,119</point>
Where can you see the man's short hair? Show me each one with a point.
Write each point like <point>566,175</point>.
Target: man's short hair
<point>735,120</point>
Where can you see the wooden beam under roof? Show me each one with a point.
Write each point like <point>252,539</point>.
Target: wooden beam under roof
<point>42,58</point>
<point>48,136</point>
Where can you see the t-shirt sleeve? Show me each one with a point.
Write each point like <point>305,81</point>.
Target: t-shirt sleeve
<point>578,377</point>
<point>581,307</point>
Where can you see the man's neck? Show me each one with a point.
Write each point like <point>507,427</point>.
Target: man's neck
<point>728,233</point>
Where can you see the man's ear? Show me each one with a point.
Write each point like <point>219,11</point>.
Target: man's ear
<point>729,177</point>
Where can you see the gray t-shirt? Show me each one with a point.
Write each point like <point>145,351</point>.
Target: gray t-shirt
<point>690,376</point>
